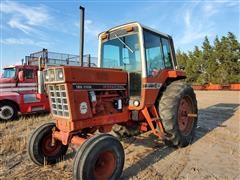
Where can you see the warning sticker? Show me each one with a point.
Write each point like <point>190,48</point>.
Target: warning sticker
<point>83,107</point>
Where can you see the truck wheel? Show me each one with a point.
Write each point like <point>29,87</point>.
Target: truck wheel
<point>178,110</point>
<point>8,111</point>
<point>40,148</point>
<point>101,157</point>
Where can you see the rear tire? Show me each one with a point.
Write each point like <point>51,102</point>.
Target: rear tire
<point>8,111</point>
<point>40,149</point>
<point>176,105</point>
<point>100,157</point>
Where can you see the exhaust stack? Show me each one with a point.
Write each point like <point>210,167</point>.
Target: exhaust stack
<point>81,48</point>
<point>40,76</point>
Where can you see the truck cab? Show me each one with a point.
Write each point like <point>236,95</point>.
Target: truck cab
<point>11,74</point>
<point>19,93</point>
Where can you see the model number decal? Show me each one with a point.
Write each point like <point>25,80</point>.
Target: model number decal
<point>152,85</point>
<point>98,87</point>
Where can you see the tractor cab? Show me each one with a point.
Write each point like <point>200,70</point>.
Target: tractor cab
<point>147,55</point>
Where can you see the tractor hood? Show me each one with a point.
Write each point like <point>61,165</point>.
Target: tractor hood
<point>74,74</point>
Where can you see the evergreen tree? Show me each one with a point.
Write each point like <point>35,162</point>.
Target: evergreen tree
<point>219,63</point>
<point>193,68</point>
<point>208,62</point>
<point>227,52</point>
<point>182,59</point>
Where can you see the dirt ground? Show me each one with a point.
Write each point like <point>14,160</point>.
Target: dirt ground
<point>215,153</point>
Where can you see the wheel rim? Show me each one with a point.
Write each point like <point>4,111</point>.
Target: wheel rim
<point>49,149</point>
<point>105,165</point>
<point>6,112</point>
<point>185,122</point>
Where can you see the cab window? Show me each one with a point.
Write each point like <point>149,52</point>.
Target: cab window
<point>122,53</point>
<point>167,53</point>
<point>153,52</point>
<point>28,73</point>
<point>9,73</point>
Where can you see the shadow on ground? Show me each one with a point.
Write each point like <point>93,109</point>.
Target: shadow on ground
<point>209,118</point>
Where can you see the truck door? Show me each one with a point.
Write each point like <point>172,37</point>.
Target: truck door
<point>29,82</point>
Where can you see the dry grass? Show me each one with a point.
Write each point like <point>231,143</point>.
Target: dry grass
<point>14,161</point>
<point>16,133</point>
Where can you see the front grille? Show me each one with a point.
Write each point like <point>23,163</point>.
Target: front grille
<point>58,98</point>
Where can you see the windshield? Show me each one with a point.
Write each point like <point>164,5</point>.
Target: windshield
<point>122,53</point>
<point>9,73</point>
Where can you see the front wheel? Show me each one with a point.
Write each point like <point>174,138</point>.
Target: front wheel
<point>101,157</point>
<point>40,148</point>
<point>177,108</point>
<point>8,111</point>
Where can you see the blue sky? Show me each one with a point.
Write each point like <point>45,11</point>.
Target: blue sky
<point>28,26</point>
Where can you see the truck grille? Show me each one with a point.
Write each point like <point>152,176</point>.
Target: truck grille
<point>58,98</point>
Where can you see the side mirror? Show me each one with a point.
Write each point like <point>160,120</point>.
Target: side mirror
<point>20,76</point>
<point>181,67</point>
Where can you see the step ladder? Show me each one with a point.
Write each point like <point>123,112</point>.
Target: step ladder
<point>147,112</point>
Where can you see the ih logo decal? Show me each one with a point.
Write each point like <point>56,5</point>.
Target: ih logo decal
<point>83,108</point>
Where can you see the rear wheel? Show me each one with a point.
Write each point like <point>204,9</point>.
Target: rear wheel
<point>178,111</point>
<point>8,111</point>
<point>40,147</point>
<point>101,157</point>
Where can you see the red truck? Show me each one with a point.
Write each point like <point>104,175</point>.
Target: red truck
<point>22,88</point>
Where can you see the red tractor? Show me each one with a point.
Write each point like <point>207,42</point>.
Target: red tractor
<point>137,85</point>
<point>22,87</point>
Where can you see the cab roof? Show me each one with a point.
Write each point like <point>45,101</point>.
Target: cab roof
<point>18,65</point>
<point>138,24</point>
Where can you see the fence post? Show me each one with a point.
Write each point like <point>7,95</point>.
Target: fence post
<point>89,60</point>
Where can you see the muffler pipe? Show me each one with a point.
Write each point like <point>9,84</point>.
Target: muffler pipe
<point>40,76</point>
<point>81,48</point>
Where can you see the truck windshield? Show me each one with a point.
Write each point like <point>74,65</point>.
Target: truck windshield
<point>122,53</point>
<point>9,73</point>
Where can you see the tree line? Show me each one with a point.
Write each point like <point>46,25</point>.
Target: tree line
<point>218,63</point>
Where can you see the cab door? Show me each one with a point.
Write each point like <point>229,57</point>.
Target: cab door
<point>132,64</point>
<point>157,53</point>
<point>29,82</point>
<point>158,60</point>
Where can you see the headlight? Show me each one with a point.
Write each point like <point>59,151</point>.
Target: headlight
<point>46,75</point>
<point>59,74</point>
<point>136,103</point>
<point>51,75</point>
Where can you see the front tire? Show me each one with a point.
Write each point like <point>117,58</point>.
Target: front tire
<point>8,111</point>
<point>177,108</point>
<point>40,149</point>
<point>101,157</point>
